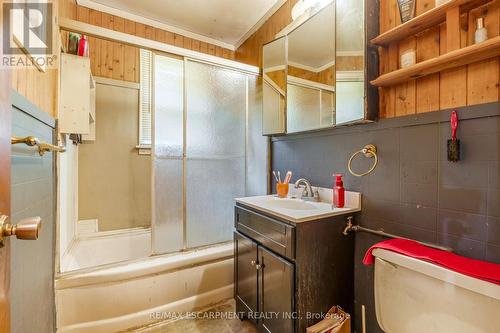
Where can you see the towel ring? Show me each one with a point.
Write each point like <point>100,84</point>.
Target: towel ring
<point>369,151</point>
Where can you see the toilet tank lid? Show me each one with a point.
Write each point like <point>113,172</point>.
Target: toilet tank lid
<point>476,285</point>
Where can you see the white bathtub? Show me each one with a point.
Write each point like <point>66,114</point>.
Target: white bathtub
<point>102,248</point>
<point>127,295</point>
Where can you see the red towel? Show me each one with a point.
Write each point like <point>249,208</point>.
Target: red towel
<point>483,270</point>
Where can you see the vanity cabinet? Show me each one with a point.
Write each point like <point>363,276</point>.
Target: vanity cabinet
<point>288,274</point>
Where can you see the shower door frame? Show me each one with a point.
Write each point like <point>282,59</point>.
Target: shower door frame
<point>185,60</point>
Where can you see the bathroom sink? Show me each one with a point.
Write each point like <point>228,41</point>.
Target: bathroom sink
<point>298,210</point>
<point>293,204</point>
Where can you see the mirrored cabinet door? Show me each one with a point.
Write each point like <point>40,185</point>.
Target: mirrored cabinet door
<point>350,61</point>
<point>311,73</point>
<point>316,74</point>
<point>274,87</point>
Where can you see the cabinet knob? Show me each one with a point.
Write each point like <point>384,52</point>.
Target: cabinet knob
<point>259,266</point>
<point>253,262</point>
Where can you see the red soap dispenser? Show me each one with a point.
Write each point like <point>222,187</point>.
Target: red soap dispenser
<point>338,192</point>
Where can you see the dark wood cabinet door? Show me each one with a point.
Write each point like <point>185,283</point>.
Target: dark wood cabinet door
<point>276,293</point>
<point>246,276</point>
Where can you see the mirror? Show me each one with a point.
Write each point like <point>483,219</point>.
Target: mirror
<point>314,75</point>
<point>350,61</point>
<point>311,73</point>
<point>274,87</point>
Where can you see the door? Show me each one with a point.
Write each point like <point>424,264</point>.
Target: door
<point>5,105</point>
<point>276,292</point>
<point>246,274</point>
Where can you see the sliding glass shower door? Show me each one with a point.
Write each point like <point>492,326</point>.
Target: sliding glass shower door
<point>215,151</point>
<point>167,229</point>
<point>205,123</point>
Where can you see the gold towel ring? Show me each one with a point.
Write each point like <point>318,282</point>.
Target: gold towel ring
<point>369,151</point>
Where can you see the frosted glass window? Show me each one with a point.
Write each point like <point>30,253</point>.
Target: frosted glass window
<point>303,108</point>
<point>215,151</point>
<point>168,226</point>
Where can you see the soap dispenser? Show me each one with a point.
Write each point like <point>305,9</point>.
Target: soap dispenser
<point>338,192</point>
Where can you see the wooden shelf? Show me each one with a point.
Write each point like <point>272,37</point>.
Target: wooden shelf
<point>453,59</point>
<point>425,21</point>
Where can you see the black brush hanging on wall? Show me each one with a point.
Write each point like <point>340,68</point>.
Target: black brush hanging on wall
<point>454,143</point>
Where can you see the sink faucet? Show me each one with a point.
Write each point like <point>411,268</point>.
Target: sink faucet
<point>308,193</point>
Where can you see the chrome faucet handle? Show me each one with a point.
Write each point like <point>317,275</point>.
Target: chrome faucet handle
<point>316,194</point>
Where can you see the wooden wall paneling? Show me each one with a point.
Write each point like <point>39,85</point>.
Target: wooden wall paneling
<point>211,49</point>
<point>140,30</point>
<point>95,44</point>
<point>405,92</point>
<point>196,45</point>
<point>131,55</point>
<point>106,48</point>
<point>179,41</point>
<point>427,94</point>
<point>483,77</point>
<point>160,35</point>
<point>389,57</point>
<point>169,37</point>
<point>250,52</point>
<point>204,47</point>
<point>453,82</point>
<point>188,42</point>
<point>118,50</point>
<point>428,86</point>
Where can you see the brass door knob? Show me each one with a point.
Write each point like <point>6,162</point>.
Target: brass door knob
<point>27,229</point>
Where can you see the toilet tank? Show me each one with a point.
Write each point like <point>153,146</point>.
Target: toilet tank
<point>414,296</point>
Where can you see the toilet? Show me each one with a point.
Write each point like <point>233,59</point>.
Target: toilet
<point>414,296</point>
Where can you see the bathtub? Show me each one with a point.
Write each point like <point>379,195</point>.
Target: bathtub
<point>134,294</point>
<point>106,247</point>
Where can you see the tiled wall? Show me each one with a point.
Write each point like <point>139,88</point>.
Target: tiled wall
<point>33,194</point>
<point>414,191</point>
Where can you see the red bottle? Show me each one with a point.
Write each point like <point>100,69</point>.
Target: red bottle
<point>338,192</point>
<point>83,47</point>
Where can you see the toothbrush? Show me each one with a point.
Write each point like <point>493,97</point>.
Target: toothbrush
<point>279,177</point>
<point>275,177</point>
<point>288,177</point>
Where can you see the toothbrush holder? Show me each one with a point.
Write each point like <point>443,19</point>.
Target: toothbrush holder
<point>282,189</point>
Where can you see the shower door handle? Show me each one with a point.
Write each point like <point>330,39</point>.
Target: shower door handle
<point>27,229</point>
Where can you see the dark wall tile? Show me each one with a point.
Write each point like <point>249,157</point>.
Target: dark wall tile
<point>494,203</point>
<point>382,210</point>
<point>493,230</point>
<point>463,246</point>
<point>414,192</point>
<point>464,174</point>
<point>463,199</point>
<point>461,224</point>
<point>399,229</point>
<point>494,175</point>
<point>418,216</point>
<point>420,194</point>
<point>423,172</point>
<point>493,253</point>
<point>419,143</point>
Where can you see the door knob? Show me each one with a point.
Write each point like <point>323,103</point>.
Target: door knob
<point>27,229</point>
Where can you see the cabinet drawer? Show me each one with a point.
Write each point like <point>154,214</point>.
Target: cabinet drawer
<point>276,236</point>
